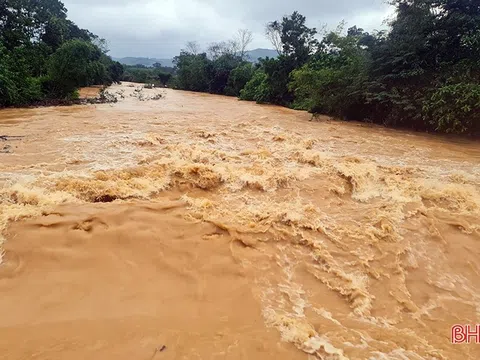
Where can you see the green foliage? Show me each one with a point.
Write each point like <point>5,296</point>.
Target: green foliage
<point>454,108</point>
<point>192,72</point>
<point>256,88</point>
<point>196,72</point>
<point>295,43</point>
<point>298,40</point>
<point>334,79</point>
<point>114,69</point>
<point>277,80</point>
<point>24,20</point>
<point>220,70</point>
<point>16,86</point>
<point>430,42</point>
<point>164,77</point>
<point>424,73</point>
<point>226,73</point>
<point>76,63</point>
<point>157,75</point>
<point>135,74</point>
<point>239,77</point>
<point>45,55</point>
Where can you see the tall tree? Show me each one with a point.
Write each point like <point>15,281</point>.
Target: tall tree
<point>243,39</point>
<point>192,47</point>
<point>431,43</point>
<point>273,32</point>
<point>24,21</point>
<point>298,40</point>
<point>76,63</point>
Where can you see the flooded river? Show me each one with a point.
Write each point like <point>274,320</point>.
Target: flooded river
<point>201,227</point>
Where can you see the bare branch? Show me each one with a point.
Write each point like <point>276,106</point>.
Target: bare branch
<point>215,50</point>
<point>233,47</point>
<point>244,38</point>
<point>102,44</point>
<point>192,47</point>
<point>273,32</point>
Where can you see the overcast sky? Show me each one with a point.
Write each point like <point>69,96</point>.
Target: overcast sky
<point>160,28</point>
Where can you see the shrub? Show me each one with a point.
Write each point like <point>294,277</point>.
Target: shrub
<point>454,108</point>
<point>238,78</point>
<point>255,89</point>
<point>75,64</point>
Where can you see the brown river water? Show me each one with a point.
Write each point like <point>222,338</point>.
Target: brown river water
<point>202,227</point>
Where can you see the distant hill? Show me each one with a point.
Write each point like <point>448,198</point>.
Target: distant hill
<point>144,61</point>
<point>253,56</point>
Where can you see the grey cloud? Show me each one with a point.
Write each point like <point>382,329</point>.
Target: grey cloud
<point>160,29</point>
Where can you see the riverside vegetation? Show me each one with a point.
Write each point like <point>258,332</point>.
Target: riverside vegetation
<point>422,73</point>
<point>45,57</point>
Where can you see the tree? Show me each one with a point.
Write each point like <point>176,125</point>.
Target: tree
<point>333,81</point>
<point>256,88</point>
<point>100,43</point>
<point>16,86</point>
<point>273,32</point>
<point>454,108</point>
<point>192,71</point>
<point>294,42</point>
<point>192,47</point>
<point>24,21</point>
<point>291,37</point>
<point>243,39</point>
<point>298,40</point>
<point>32,34</point>
<point>238,78</point>
<point>75,64</point>
<point>116,71</point>
<point>220,70</point>
<point>164,77</point>
<point>432,44</point>
<point>54,33</point>
<point>218,49</point>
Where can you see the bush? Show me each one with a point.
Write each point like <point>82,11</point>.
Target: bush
<point>220,70</point>
<point>8,89</point>
<point>454,108</point>
<point>255,89</point>
<point>333,82</point>
<point>75,64</point>
<point>238,78</point>
<point>192,72</point>
<point>16,87</point>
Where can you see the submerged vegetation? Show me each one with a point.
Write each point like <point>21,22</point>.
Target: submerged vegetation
<point>45,56</point>
<point>423,73</point>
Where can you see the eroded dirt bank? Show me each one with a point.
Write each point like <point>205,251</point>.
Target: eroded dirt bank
<point>225,229</point>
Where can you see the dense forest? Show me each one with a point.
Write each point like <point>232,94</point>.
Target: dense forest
<point>423,73</point>
<point>44,56</point>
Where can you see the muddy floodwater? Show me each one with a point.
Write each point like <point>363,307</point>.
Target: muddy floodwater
<point>201,227</point>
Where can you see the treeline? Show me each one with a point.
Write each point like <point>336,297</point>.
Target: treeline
<point>45,56</point>
<point>423,73</point>
<point>157,74</point>
<point>224,70</point>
